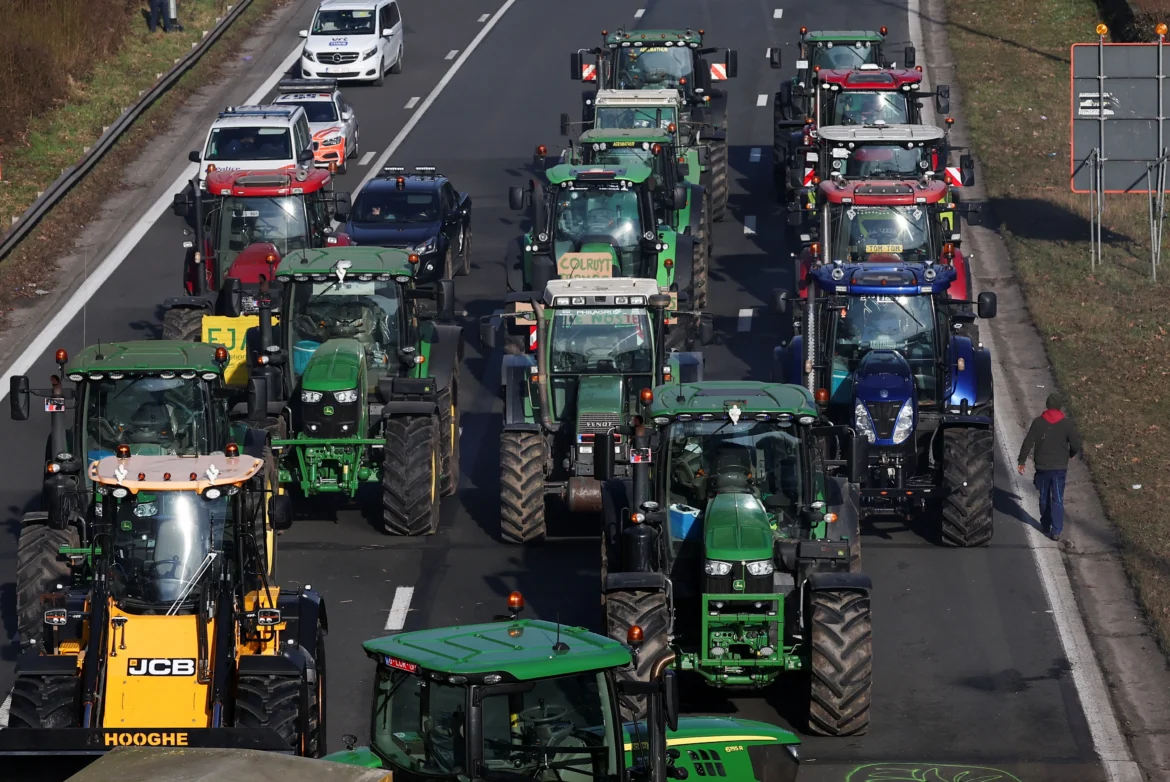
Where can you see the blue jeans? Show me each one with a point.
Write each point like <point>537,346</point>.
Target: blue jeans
<point>158,11</point>
<point>1050,484</point>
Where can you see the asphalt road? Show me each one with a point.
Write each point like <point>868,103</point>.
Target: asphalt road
<point>969,670</point>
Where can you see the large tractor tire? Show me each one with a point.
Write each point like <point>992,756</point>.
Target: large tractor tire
<point>465,253</point>
<point>720,179</point>
<point>842,663</point>
<point>39,568</point>
<point>449,263</point>
<point>411,476</point>
<point>449,432</point>
<point>45,702</point>
<point>968,476</point>
<point>649,611</point>
<point>701,265</point>
<point>274,702</point>
<point>522,487</point>
<point>183,324</point>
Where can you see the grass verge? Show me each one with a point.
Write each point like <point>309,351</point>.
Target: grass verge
<point>1106,332</point>
<point>57,139</point>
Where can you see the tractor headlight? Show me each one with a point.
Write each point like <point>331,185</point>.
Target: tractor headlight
<point>332,141</point>
<point>716,568</point>
<point>312,397</point>
<point>793,750</point>
<point>345,397</point>
<point>904,423</point>
<point>425,247</point>
<point>862,423</point>
<point>368,54</point>
<point>761,568</point>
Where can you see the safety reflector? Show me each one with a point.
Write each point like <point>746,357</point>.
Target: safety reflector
<point>718,71</point>
<point>809,173</point>
<point>954,176</point>
<point>588,72</point>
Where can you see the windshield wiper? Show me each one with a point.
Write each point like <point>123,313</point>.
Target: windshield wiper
<point>211,555</point>
<point>908,312</point>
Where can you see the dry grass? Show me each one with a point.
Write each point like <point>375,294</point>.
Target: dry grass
<point>1106,332</point>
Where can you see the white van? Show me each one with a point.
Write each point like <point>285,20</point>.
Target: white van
<point>257,138</point>
<point>353,39</point>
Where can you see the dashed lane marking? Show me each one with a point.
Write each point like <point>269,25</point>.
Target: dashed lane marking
<point>366,158</point>
<point>745,319</point>
<point>451,54</point>
<point>778,13</point>
<point>484,18</point>
<point>749,225</point>
<point>754,155</point>
<point>639,12</point>
<point>768,53</point>
<point>762,100</point>
<point>410,104</point>
<point>399,608</point>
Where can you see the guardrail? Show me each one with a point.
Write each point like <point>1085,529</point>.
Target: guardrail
<point>71,176</point>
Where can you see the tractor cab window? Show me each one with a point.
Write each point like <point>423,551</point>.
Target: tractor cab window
<point>895,161</point>
<point>869,108</point>
<point>883,234</point>
<point>621,154</point>
<point>555,729</point>
<point>655,67</point>
<point>153,415</point>
<point>420,726</point>
<point>622,118</point>
<point>240,221</point>
<point>378,207</point>
<point>706,458</point>
<point>602,341</point>
<point>234,143</point>
<point>364,310</point>
<point>832,55</point>
<point>902,323</point>
<point>165,545</point>
<point>600,218</point>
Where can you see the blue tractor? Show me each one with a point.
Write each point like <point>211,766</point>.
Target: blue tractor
<point>883,349</point>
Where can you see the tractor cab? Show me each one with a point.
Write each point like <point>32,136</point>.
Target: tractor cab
<point>840,50</point>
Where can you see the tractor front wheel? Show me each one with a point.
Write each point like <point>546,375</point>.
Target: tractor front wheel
<point>39,569</point>
<point>449,431</point>
<point>45,702</point>
<point>183,324</point>
<point>720,183</point>
<point>702,259</point>
<point>968,478</point>
<point>411,467</point>
<point>842,663</point>
<point>522,487</point>
<point>274,702</point>
<point>647,610</point>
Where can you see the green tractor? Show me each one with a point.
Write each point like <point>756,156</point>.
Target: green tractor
<point>601,346</point>
<point>152,397</point>
<point>530,699</point>
<point>734,545</point>
<point>360,384</point>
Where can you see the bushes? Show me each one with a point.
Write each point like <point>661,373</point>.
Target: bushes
<point>47,46</point>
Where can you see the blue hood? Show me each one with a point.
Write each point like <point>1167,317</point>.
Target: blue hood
<point>382,235</point>
<point>883,376</point>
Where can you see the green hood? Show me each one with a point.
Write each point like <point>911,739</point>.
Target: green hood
<point>335,366</point>
<point>736,529</point>
<point>727,748</point>
<point>358,756</point>
<point>719,731</point>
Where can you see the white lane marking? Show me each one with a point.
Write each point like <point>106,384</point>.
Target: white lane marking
<point>451,54</point>
<point>745,319</point>
<point>366,158</point>
<point>484,18</point>
<point>4,711</point>
<point>410,104</point>
<point>426,104</point>
<point>778,13</point>
<point>639,12</point>
<point>399,608</point>
<point>122,250</point>
<point>754,155</point>
<point>768,53</point>
<point>749,225</point>
<point>762,100</point>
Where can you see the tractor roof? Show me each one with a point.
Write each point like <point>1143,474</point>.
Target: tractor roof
<point>355,260</point>
<point>628,171</point>
<point>610,135</point>
<point>871,77</point>
<point>842,134</point>
<point>819,36</point>
<point>267,183</point>
<point>880,279</point>
<point>646,38</point>
<point>522,649</point>
<point>173,473</point>
<point>637,99</point>
<point>716,397</point>
<point>145,356</point>
<point>599,292</point>
<point>864,192</point>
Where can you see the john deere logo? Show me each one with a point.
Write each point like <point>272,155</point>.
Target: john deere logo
<point>328,410</point>
<point>737,585</point>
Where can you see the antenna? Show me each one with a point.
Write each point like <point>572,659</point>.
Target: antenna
<point>560,646</point>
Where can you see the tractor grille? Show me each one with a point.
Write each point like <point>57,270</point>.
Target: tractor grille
<point>752,585</point>
<point>341,421</point>
<point>598,422</point>
<point>707,763</point>
<point>883,415</point>
<point>337,58</point>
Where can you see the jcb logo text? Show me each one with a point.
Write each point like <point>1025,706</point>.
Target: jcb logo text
<point>160,666</point>
<point>131,739</point>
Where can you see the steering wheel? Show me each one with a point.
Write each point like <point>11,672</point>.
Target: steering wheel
<point>544,714</point>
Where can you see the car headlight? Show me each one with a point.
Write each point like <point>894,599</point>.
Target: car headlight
<point>332,141</point>
<point>345,397</point>
<point>311,396</point>
<point>370,53</point>
<point>716,568</point>
<point>862,423</point>
<point>425,247</point>
<point>904,423</point>
<point>308,55</point>
<point>761,568</point>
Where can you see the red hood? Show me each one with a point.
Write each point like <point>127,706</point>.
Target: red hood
<point>1053,416</point>
<point>252,262</point>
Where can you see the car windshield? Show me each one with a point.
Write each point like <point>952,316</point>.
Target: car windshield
<point>364,310</point>
<point>706,458</point>
<point>164,543</point>
<point>869,108</point>
<point>655,66</point>
<point>316,110</point>
<point>606,341</point>
<point>599,214</point>
<point>890,234</point>
<point>901,323</point>
<point>239,221</point>
<point>344,23</point>
<point>152,415</point>
<point>228,144</point>
<point>869,161</point>
<point>622,118</point>
<point>396,206</point>
<point>844,55</point>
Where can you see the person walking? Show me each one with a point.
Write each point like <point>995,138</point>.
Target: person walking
<point>158,10</point>
<point>1052,440</point>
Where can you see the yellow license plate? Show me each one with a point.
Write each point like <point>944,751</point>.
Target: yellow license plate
<point>232,334</point>
<point>883,248</point>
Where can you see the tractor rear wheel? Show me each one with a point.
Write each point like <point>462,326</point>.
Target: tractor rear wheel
<point>720,184</point>
<point>274,702</point>
<point>647,610</point>
<point>183,324</point>
<point>465,253</point>
<point>702,259</point>
<point>968,477</point>
<point>842,663</point>
<point>522,487</point>
<point>39,568</point>
<point>411,466</point>
<point>45,702</point>
<point>449,431</point>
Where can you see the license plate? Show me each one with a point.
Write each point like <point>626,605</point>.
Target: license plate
<point>883,248</point>
<point>639,456</point>
<point>54,404</point>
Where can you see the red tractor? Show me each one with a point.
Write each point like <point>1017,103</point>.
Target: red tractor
<point>244,223</point>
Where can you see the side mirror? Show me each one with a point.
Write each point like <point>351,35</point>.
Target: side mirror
<point>575,63</point>
<point>347,115</point>
<point>967,170</point>
<point>910,57</point>
<point>774,57</point>
<point>258,397</point>
<point>342,205</point>
<point>858,459</point>
<point>180,205</point>
<point>280,512</point>
<point>658,301</point>
<point>603,456</point>
<point>387,32</point>
<point>487,333</point>
<point>194,157</point>
<point>516,198</point>
<point>18,397</point>
<point>706,328</point>
<point>780,302</point>
<point>565,123</point>
<point>732,63</point>
<point>703,76</point>
<point>670,699</point>
<point>988,305</point>
<point>679,201</point>
<point>305,156</point>
<point>974,215</point>
<point>303,33</point>
<point>942,99</point>
<point>445,299</point>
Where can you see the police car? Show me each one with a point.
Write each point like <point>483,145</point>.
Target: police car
<point>332,121</point>
<point>256,138</point>
<point>353,39</point>
<point>421,213</point>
